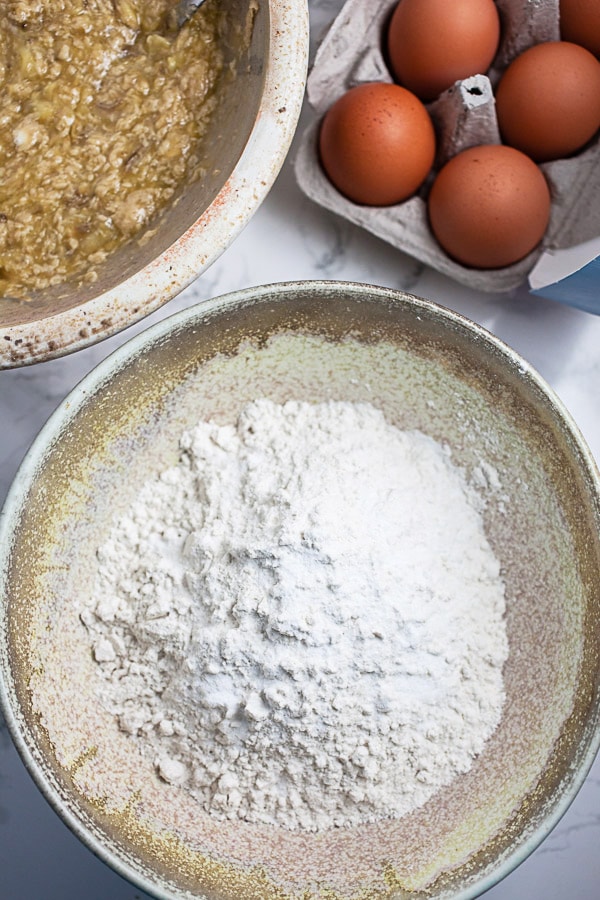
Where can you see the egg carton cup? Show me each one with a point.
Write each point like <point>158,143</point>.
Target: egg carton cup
<point>464,116</point>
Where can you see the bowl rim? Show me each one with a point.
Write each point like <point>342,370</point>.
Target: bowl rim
<point>192,317</point>
<point>208,237</point>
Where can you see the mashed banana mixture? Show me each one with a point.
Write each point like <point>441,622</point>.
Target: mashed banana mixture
<point>103,108</point>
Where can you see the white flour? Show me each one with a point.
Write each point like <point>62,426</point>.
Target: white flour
<point>302,622</point>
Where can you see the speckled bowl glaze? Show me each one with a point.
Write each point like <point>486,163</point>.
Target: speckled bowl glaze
<point>426,368</point>
<point>248,139</point>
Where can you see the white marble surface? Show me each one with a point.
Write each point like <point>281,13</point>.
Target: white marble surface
<point>39,858</point>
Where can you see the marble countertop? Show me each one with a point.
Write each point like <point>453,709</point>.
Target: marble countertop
<point>39,858</point>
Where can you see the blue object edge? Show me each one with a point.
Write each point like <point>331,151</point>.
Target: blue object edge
<point>580,289</point>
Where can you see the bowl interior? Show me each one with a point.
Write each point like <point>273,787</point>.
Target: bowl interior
<point>265,44</point>
<point>425,368</point>
<point>228,132</point>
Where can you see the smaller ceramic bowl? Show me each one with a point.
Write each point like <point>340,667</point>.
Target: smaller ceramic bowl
<point>247,142</point>
<point>426,368</point>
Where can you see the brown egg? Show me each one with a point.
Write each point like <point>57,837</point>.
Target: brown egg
<point>433,43</point>
<point>489,206</point>
<point>548,100</point>
<point>580,23</point>
<point>377,144</point>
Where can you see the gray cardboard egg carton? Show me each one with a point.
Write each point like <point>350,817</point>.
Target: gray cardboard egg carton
<point>464,116</point>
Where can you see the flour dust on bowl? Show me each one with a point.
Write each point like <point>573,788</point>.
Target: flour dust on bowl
<point>212,656</point>
<point>113,205</point>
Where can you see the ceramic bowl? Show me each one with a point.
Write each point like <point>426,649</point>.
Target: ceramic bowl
<point>426,368</point>
<point>246,145</point>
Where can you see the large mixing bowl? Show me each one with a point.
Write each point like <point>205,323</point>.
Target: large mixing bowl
<point>245,147</point>
<point>426,368</point>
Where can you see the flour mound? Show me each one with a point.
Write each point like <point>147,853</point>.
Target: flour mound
<point>302,622</point>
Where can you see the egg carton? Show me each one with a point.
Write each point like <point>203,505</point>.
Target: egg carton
<point>352,53</point>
